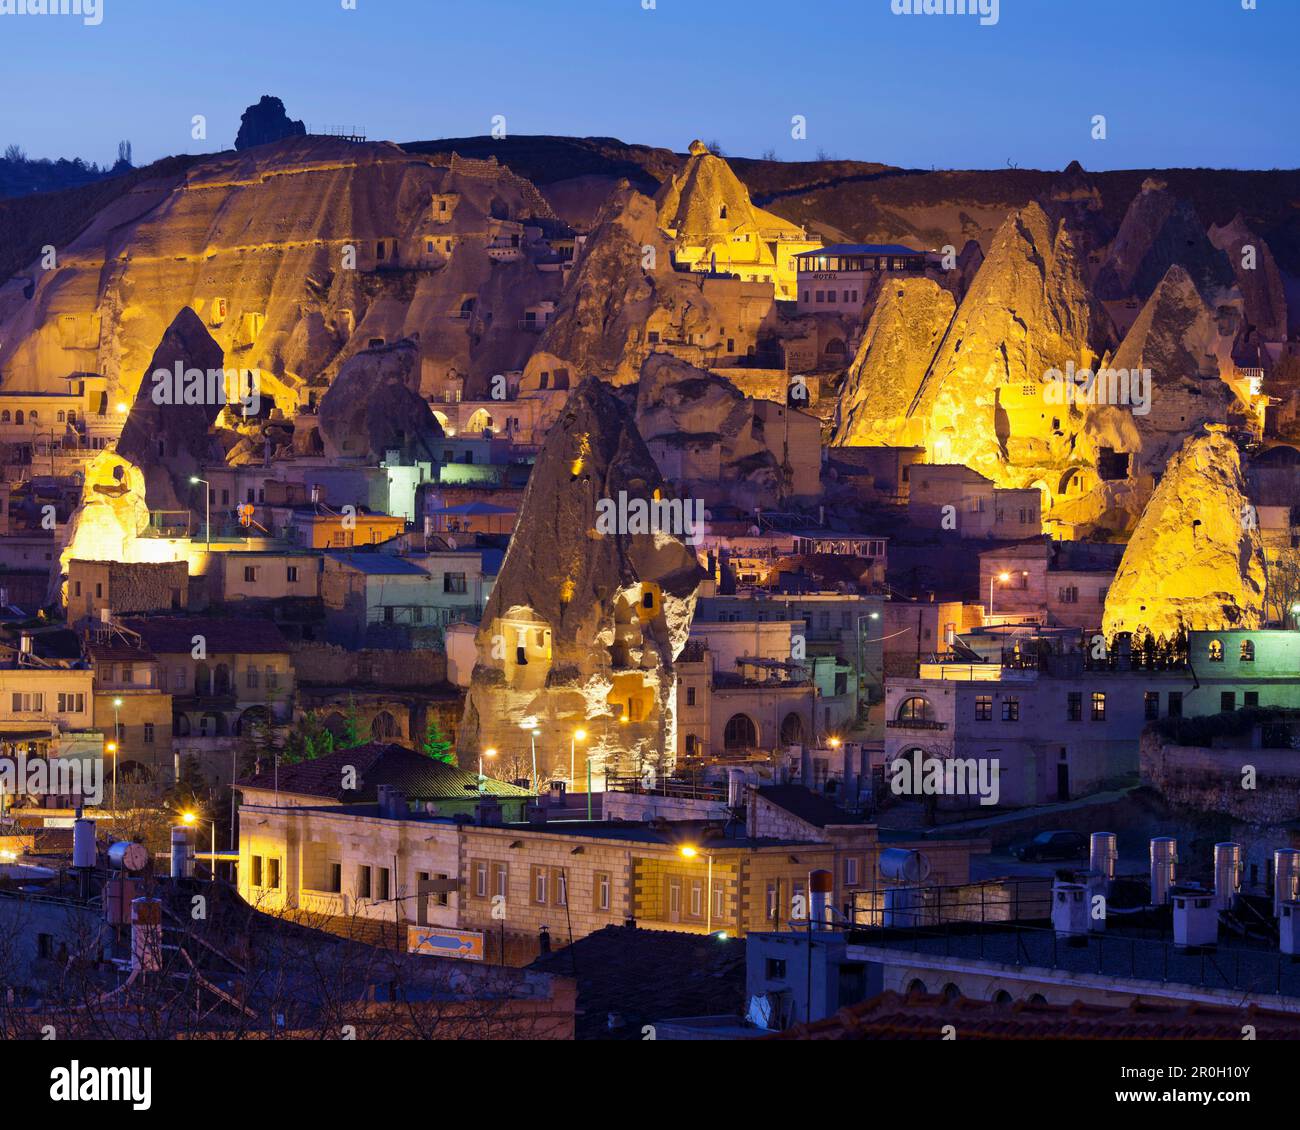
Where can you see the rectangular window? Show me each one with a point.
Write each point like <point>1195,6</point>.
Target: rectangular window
<point>1151,704</point>
<point>334,878</point>
<point>292,571</point>
<point>273,872</point>
<point>851,871</point>
<point>697,898</point>
<point>719,901</point>
<point>690,696</point>
<point>1011,709</point>
<point>773,901</point>
<point>1074,706</point>
<point>1251,698</point>
<point>480,879</point>
<point>984,708</point>
<point>774,969</point>
<point>453,582</point>
<point>250,573</point>
<point>602,890</point>
<point>539,886</point>
<point>1098,706</point>
<point>500,879</point>
<point>1228,700</point>
<point>382,887</point>
<point>363,882</point>
<point>255,879</point>
<point>148,733</point>
<point>560,885</point>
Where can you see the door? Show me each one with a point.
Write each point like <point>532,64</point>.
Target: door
<point>674,900</point>
<point>1062,781</point>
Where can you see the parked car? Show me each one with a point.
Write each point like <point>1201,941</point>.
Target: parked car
<point>1052,845</point>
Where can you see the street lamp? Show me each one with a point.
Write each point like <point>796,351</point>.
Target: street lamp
<point>189,819</point>
<point>115,745</point>
<point>533,739</point>
<point>489,753</point>
<point>689,852</point>
<point>207,506</point>
<point>1002,579</point>
<point>590,758</point>
<point>577,736</point>
<point>111,748</point>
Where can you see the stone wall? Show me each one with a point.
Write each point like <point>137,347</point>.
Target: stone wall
<point>1215,780</point>
<point>323,664</point>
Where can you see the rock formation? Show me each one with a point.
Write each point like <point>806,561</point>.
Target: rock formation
<point>710,441</point>
<point>587,617</point>
<point>902,337</point>
<point>1195,559</point>
<point>374,406</point>
<point>295,256</point>
<point>1257,276</point>
<point>715,226</point>
<point>1159,231</point>
<point>266,122</point>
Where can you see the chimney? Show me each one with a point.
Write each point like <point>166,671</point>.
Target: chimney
<point>544,940</point>
<point>1286,878</point>
<point>1102,855</point>
<point>1164,865</point>
<point>1227,874</point>
<point>182,858</point>
<point>820,886</point>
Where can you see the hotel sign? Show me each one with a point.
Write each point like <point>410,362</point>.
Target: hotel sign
<point>437,942</point>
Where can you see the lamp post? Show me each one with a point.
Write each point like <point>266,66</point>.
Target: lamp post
<point>207,507</point>
<point>488,753</point>
<point>533,740</point>
<point>189,819</point>
<point>689,852</point>
<point>590,758</point>
<point>116,743</point>
<point>1002,579</point>
<point>574,738</point>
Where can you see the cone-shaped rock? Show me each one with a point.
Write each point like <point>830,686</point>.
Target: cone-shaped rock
<point>1196,559</point>
<point>592,605</point>
<point>1257,277</point>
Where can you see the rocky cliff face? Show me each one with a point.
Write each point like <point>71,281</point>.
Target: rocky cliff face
<point>265,122</point>
<point>1159,231</point>
<point>295,256</point>
<point>590,609</point>
<point>1195,559</point>
<point>710,433</point>
<point>902,337</point>
<point>1257,277</point>
<point>374,406</point>
<point>1027,312</point>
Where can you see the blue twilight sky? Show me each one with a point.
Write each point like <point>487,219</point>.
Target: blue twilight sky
<point>1181,82</point>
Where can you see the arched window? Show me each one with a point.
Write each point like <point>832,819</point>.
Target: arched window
<point>32,417</point>
<point>61,417</point>
<point>951,992</point>
<point>915,709</point>
<point>1002,997</point>
<point>384,726</point>
<point>5,417</point>
<point>1248,651</point>
<point>72,417</point>
<point>791,729</point>
<point>1215,651</point>
<point>740,733</point>
<point>916,985</point>
<point>18,416</point>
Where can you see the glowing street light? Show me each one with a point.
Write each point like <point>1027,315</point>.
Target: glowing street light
<point>488,753</point>
<point>189,819</point>
<point>577,736</point>
<point>687,851</point>
<point>207,506</point>
<point>1002,578</point>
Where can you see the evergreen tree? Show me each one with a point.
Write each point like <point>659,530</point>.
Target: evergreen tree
<point>435,745</point>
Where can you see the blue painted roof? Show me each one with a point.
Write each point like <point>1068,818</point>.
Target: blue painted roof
<point>379,564</point>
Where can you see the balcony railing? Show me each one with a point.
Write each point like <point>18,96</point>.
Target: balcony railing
<point>914,724</point>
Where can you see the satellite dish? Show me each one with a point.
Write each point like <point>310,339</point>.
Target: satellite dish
<point>759,1012</point>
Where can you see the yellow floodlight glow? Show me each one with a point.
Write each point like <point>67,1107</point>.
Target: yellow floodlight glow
<point>688,852</point>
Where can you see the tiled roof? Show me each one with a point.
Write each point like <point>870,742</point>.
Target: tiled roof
<point>810,807</point>
<point>420,776</point>
<point>379,564</point>
<point>922,1016</point>
<point>170,635</point>
<point>643,976</point>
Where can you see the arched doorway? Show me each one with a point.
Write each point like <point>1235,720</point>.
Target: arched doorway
<point>792,729</point>
<point>740,733</point>
<point>384,727</point>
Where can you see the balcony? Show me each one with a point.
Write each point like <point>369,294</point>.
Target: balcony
<point>914,724</point>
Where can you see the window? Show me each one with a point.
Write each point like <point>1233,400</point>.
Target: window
<point>773,901</point>
<point>1151,705</point>
<point>250,574</point>
<point>178,679</point>
<point>1214,653</point>
<point>272,678</point>
<point>602,890</point>
<point>915,709</point>
<point>381,873</point>
<point>453,582</point>
<point>148,733</point>
<point>1011,709</point>
<point>1251,698</point>
<point>1069,595</point>
<point>252,678</point>
<point>774,969</point>
<point>851,871</point>
<point>1228,700</point>
<point>24,703</point>
<point>1175,704</point>
<point>292,574</point>
<point>273,873</point>
<point>719,901</point>
<point>501,879</point>
<point>690,696</point>
<point>697,898</point>
<point>256,878</point>
<point>1098,706</point>
<point>363,882</point>
<point>71,703</point>
<point>984,708</point>
<point>1074,706</point>
<point>539,886</point>
<point>480,880</point>
<point>1248,651</point>
<point>560,885</point>
<point>334,877</point>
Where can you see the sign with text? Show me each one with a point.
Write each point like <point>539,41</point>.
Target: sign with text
<point>437,942</point>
